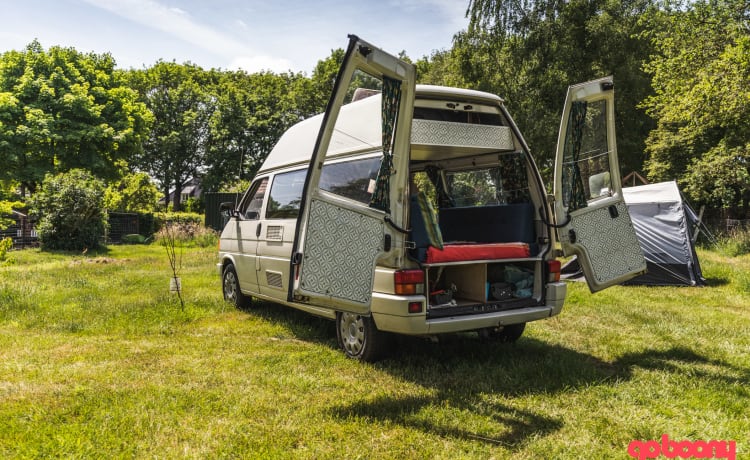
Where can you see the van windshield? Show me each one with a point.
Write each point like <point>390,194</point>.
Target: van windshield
<point>504,184</point>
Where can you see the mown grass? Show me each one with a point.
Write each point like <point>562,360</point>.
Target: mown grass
<point>98,360</point>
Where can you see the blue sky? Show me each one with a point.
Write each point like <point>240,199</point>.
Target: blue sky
<point>253,35</point>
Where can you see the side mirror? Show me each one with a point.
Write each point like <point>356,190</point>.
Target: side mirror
<point>227,209</point>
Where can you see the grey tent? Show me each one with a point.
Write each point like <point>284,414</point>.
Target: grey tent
<point>664,223</point>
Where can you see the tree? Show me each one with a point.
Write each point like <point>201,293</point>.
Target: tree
<point>60,110</point>
<point>175,148</point>
<point>70,208</point>
<point>701,103</point>
<point>529,52</point>
<point>252,112</point>
<point>134,192</point>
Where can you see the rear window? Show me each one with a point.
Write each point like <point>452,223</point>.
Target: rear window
<point>457,116</point>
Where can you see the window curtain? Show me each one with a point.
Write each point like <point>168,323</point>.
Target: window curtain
<point>444,200</point>
<point>389,112</point>
<point>574,195</point>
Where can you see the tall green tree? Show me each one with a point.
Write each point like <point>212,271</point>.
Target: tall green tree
<point>701,78</point>
<point>61,109</point>
<point>529,52</point>
<point>175,149</point>
<point>252,111</point>
<point>134,192</point>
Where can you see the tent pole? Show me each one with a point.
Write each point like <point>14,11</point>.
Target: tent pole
<point>697,228</point>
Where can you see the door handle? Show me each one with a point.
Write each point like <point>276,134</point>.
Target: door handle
<point>257,230</point>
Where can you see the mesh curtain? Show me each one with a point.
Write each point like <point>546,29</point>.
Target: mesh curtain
<point>444,200</point>
<point>389,112</point>
<point>574,195</point>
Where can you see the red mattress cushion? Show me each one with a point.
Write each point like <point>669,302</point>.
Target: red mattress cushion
<point>484,251</point>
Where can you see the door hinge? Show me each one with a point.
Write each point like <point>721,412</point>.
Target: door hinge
<point>297,258</point>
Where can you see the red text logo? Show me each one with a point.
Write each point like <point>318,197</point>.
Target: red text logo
<point>682,449</point>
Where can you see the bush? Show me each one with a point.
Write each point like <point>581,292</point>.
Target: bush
<point>134,238</point>
<point>6,244</point>
<point>70,208</point>
<point>736,242</point>
<point>187,234</point>
<point>163,218</point>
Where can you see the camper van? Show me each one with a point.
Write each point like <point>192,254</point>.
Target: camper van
<point>418,210</point>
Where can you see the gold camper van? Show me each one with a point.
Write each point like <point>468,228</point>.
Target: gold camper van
<point>418,210</point>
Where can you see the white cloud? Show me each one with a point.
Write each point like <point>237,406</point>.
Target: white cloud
<point>173,21</point>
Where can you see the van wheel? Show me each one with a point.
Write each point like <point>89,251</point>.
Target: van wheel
<point>359,338</point>
<point>231,288</point>
<point>508,334</point>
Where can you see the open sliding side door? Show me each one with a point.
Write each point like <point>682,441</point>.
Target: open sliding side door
<point>338,240</point>
<point>592,218</point>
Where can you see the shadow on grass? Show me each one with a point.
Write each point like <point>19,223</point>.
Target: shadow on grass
<point>470,376</point>
<point>713,281</point>
<point>479,379</point>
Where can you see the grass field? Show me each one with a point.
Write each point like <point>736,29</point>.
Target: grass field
<point>98,360</point>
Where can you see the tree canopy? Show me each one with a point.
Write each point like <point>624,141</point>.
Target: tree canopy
<point>61,109</point>
<point>681,69</point>
<point>701,101</point>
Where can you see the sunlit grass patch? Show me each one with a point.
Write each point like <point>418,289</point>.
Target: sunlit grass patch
<point>98,360</point>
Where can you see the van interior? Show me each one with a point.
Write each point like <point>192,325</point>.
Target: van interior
<point>473,219</point>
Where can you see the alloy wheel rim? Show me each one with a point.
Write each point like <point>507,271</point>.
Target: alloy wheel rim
<point>352,333</point>
<point>230,286</point>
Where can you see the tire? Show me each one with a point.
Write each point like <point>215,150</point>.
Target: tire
<point>508,334</point>
<point>230,287</point>
<point>360,339</point>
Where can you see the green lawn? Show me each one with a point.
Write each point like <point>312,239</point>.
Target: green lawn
<point>98,360</point>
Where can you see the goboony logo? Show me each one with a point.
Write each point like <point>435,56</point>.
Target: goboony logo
<point>682,449</point>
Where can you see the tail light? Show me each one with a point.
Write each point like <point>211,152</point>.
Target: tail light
<point>553,268</point>
<point>407,282</point>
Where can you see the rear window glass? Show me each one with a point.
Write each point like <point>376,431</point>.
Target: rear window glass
<point>505,184</point>
<point>457,116</point>
<point>351,179</point>
<point>286,194</point>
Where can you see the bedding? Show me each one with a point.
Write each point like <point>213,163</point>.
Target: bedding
<point>469,252</point>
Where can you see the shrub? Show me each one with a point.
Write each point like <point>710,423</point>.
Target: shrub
<point>736,242</point>
<point>70,207</point>
<point>134,238</point>
<point>187,234</point>
<point>163,218</point>
<point>6,244</point>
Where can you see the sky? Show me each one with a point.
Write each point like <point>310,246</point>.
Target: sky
<point>252,35</point>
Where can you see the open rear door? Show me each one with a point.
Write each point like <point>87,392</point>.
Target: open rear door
<point>592,218</point>
<point>338,241</point>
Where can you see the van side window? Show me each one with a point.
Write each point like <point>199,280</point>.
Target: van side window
<point>351,179</point>
<point>286,194</point>
<point>254,201</point>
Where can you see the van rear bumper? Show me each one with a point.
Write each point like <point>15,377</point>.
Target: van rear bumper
<point>389,313</point>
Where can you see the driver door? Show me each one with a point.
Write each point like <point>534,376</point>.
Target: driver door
<point>592,218</point>
<point>338,240</point>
